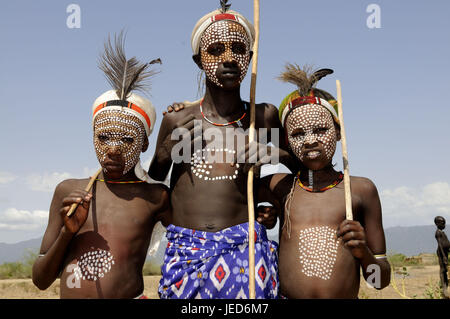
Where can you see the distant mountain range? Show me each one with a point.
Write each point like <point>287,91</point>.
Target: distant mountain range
<point>413,240</point>
<point>17,251</point>
<point>409,241</point>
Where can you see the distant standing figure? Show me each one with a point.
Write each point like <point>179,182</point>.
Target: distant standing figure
<point>442,252</point>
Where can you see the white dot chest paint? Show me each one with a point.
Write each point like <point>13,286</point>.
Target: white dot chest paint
<point>204,168</point>
<point>318,250</point>
<point>94,265</point>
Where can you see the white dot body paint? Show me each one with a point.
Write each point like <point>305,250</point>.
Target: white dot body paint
<point>117,128</point>
<point>203,171</point>
<point>318,247</point>
<point>309,118</point>
<point>93,265</point>
<point>226,32</point>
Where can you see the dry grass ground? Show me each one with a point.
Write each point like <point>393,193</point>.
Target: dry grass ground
<point>421,282</point>
<point>418,284</point>
<point>24,289</point>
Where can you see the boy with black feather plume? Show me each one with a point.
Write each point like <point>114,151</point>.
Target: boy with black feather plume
<point>100,249</point>
<point>321,252</point>
<point>125,75</point>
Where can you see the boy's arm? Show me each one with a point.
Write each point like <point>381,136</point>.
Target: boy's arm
<point>267,215</point>
<point>60,231</point>
<point>272,120</point>
<point>367,242</point>
<point>162,159</point>
<point>275,189</point>
<point>164,213</point>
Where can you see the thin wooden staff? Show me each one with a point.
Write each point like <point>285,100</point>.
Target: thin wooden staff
<point>74,206</point>
<point>250,199</point>
<point>347,186</point>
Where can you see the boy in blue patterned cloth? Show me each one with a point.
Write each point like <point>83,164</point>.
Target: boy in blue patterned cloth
<point>201,264</point>
<point>207,254</point>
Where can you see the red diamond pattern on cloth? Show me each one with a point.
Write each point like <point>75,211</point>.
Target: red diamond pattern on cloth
<point>221,273</point>
<point>262,272</point>
<point>261,269</point>
<point>274,283</point>
<point>179,286</point>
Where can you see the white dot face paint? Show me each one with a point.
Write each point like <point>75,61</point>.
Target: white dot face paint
<point>120,132</point>
<point>224,41</point>
<point>309,125</point>
<point>318,247</point>
<point>94,265</point>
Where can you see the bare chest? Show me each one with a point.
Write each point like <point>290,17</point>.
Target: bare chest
<point>321,208</point>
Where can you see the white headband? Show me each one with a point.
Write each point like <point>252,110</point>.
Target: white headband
<point>215,16</point>
<point>318,101</point>
<point>137,105</point>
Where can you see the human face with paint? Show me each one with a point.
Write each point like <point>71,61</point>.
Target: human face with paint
<point>119,138</point>
<point>312,135</point>
<point>225,53</point>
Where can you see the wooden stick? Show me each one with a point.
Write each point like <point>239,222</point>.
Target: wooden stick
<point>347,186</point>
<point>250,199</point>
<point>87,189</point>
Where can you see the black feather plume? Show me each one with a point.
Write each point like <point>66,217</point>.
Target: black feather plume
<point>321,73</point>
<point>124,75</point>
<point>225,5</point>
<point>304,78</point>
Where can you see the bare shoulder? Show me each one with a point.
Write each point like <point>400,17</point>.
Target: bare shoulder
<point>366,194</point>
<point>67,186</point>
<point>157,188</point>
<point>267,108</point>
<point>439,233</point>
<point>267,115</point>
<point>276,178</point>
<point>363,185</point>
<point>173,117</point>
<point>156,192</point>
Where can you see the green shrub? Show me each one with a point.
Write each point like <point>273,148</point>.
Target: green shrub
<point>19,269</point>
<point>433,290</point>
<point>151,269</point>
<point>396,260</point>
<point>399,260</point>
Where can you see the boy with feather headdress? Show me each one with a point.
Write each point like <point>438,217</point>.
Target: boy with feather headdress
<point>99,251</point>
<point>321,253</point>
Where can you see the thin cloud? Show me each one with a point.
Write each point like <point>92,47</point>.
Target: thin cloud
<point>6,177</point>
<point>407,206</point>
<point>46,182</point>
<point>15,219</point>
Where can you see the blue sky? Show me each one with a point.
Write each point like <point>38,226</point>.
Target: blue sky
<point>394,82</point>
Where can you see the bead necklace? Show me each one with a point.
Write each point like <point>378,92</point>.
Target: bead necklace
<point>124,182</point>
<point>238,121</point>
<point>310,189</point>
